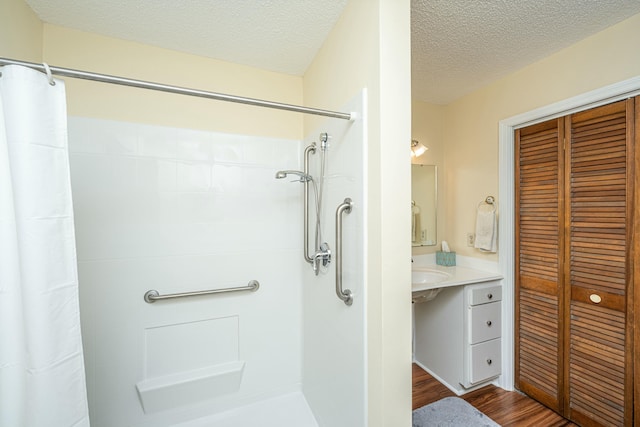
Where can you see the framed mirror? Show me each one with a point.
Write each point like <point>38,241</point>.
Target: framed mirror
<point>424,199</point>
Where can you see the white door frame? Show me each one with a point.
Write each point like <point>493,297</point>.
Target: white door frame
<point>506,256</point>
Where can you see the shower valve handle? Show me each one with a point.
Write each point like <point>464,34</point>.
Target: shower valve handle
<point>323,256</point>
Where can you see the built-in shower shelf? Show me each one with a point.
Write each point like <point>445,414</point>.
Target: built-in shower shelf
<point>175,390</point>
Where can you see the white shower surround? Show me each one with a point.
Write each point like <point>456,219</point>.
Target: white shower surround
<point>334,337</point>
<point>180,210</point>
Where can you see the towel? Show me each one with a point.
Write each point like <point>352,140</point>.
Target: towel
<point>486,229</point>
<point>416,228</point>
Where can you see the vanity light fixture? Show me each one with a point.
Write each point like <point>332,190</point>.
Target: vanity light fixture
<point>417,148</point>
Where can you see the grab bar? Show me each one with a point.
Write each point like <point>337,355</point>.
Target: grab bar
<point>345,295</point>
<point>153,295</point>
<point>310,149</point>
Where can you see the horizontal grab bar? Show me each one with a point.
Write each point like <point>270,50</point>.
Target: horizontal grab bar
<point>153,295</point>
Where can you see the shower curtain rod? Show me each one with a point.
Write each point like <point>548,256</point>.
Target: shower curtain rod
<point>66,72</point>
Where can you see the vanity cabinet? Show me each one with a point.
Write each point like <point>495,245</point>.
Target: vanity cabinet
<point>482,350</point>
<point>458,335</point>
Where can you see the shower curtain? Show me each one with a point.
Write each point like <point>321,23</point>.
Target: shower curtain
<point>42,380</point>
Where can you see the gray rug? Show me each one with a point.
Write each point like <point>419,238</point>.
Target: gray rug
<point>451,412</point>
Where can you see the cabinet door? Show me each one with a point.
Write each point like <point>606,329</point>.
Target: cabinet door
<point>598,174</point>
<point>539,229</point>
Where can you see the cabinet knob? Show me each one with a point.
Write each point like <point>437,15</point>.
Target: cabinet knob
<point>595,298</point>
<point>489,361</point>
<point>489,323</point>
<point>490,296</point>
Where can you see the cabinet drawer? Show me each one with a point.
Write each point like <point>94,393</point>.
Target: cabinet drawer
<point>483,294</point>
<point>484,322</point>
<point>484,361</point>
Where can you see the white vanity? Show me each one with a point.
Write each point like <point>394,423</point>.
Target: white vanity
<point>457,325</point>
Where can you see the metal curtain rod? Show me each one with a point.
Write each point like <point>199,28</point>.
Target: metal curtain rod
<point>176,89</point>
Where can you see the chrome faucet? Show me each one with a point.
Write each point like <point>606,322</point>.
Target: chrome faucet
<point>322,256</point>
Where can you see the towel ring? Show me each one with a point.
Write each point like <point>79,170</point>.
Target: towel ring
<point>491,201</point>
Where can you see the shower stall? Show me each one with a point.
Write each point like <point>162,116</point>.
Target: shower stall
<point>172,227</point>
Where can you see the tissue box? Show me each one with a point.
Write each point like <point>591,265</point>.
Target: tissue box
<point>446,258</point>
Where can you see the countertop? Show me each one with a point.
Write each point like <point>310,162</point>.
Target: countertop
<point>458,276</point>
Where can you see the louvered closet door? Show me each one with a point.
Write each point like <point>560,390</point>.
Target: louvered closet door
<point>539,228</point>
<point>598,361</point>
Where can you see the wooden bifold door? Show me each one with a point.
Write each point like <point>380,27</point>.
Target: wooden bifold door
<point>575,237</point>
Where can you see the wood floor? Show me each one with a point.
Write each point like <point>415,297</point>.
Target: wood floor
<point>507,408</point>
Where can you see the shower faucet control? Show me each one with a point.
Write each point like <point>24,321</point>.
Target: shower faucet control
<point>322,256</point>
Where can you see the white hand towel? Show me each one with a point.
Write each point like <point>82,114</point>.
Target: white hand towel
<point>417,228</point>
<point>486,229</point>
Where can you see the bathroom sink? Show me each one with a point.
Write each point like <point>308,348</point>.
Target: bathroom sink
<point>427,276</point>
<point>426,280</point>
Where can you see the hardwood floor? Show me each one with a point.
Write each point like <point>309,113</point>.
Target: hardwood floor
<point>507,408</point>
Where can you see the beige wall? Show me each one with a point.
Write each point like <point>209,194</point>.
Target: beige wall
<point>20,32</point>
<point>427,126</point>
<point>471,123</point>
<point>390,363</point>
<point>91,52</point>
<point>370,47</point>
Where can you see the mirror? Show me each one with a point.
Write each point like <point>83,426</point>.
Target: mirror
<point>424,184</point>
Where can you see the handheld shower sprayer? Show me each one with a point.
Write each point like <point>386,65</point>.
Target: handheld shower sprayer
<point>322,253</point>
<point>324,141</point>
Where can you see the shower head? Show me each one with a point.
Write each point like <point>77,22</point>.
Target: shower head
<point>303,176</point>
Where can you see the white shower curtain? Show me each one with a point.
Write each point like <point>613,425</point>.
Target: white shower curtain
<point>42,380</point>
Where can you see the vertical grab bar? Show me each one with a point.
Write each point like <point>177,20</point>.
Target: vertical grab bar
<point>345,295</point>
<point>307,151</point>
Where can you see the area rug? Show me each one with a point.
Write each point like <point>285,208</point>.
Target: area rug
<point>451,412</point>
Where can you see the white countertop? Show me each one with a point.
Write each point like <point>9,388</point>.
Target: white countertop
<point>458,276</point>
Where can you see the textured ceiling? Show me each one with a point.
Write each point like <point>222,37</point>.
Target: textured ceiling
<point>461,45</point>
<point>277,35</point>
<point>457,45</point>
